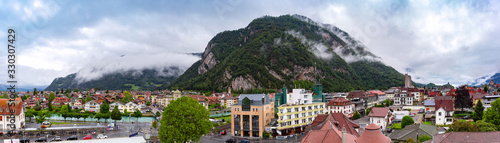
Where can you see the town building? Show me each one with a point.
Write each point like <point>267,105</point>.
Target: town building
<point>293,118</point>
<point>373,134</point>
<point>250,116</point>
<point>93,106</point>
<point>120,106</point>
<point>487,100</point>
<point>228,101</point>
<point>340,105</point>
<point>130,106</point>
<point>467,137</point>
<point>444,111</point>
<point>6,120</point>
<point>380,116</point>
<point>403,99</point>
<point>203,100</point>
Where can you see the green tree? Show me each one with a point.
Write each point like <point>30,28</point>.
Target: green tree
<point>106,116</point>
<point>424,138</point>
<point>407,120</point>
<point>462,99</point>
<point>125,112</point>
<point>158,114</point>
<point>28,115</point>
<point>104,108</point>
<point>127,97</point>
<point>356,116</point>
<point>137,114</point>
<point>485,127</point>
<point>154,124</point>
<point>89,98</point>
<point>34,91</point>
<point>5,95</point>
<point>52,96</point>
<point>492,114</point>
<point>148,103</point>
<point>368,111</point>
<point>98,116</point>
<point>116,115</point>
<point>177,124</point>
<point>478,111</point>
<point>463,126</point>
<point>40,119</point>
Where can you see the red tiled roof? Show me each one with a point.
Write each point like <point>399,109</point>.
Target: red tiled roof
<point>356,94</point>
<point>343,121</point>
<point>379,112</point>
<point>339,102</point>
<point>327,135</point>
<point>5,109</point>
<point>319,119</point>
<point>467,137</point>
<point>446,104</point>
<point>372,134</point>
<point>434,94</point>
<point>477,95</point>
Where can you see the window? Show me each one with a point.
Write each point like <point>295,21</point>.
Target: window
<point>289,117</point>
<point>289,110</point>
<point>281,110</point>
<point>439,113</point>
<point>296,115</point>
<point>378,121</point>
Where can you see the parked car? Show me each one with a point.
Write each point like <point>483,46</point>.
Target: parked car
<point>57,138</point>
<point>422,110</point>
<point>467,117</point>
<point>88,137</point>
<point>389,130</point>
<point>223,132</point>
<point>72,138</point>
<point>102,136</point>
<point>231,141</point>
<point>41,139</point>
<point>245,141</point>
<point>24,140</point>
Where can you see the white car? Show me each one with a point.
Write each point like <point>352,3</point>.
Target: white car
<point>101,136</point>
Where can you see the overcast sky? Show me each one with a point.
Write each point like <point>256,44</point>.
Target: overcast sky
<point>434,41</point>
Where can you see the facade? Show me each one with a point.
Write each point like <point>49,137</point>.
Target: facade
<point>380,116</point>
<point>487,100</point>
<point>92,106</point>
<point>294,118</point>
<point>444,112</point>
<point>228,101</point>
<point>340,105</point>
<point>78,104</point>
<point>130,106</point>
<point>403,99</point>
<point>120,106</point>
<point>250,116</point>
<point>6,120</point>
<point>299,96</point>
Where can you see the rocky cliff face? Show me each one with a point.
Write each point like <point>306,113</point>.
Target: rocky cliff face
<point>272,52</point>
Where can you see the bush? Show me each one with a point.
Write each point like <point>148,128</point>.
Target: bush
<point>407,120</point>
<point>424,138</point>
<point>266,135</point>
<point>356,116</point>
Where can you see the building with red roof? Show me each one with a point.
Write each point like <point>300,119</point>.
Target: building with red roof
<point>7,120</point>
<point>326,131</point>
<point>380,116</point>
<point>444,111</point>
<point>340,105</point>
<point>467,137</point>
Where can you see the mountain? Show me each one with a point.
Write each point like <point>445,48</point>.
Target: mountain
<point>485,80</point>
<point>146,79</point>
<point>273,52</point>
<point>3,87</point>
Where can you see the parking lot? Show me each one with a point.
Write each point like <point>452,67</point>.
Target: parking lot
<point>67,130</point>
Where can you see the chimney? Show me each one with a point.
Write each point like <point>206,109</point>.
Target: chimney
<point>344,135</point>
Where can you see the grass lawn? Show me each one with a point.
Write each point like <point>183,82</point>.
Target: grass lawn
<point>396,126</point>
<point>226,118</point>
<point>428,123</point>
<point>63,123</point>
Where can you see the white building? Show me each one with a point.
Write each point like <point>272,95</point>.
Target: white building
<point>380,116</point>
<point>403,99</point>
<point>340,105</point>
<point>131,107</point>
<point>119,104</point>
<point>444,112</point>
<point>228,101</point>
<point>299,96</point>
<point>487,100</point>
<point>92,106</point>
<point>298,115</point>
<point>9,120</point>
